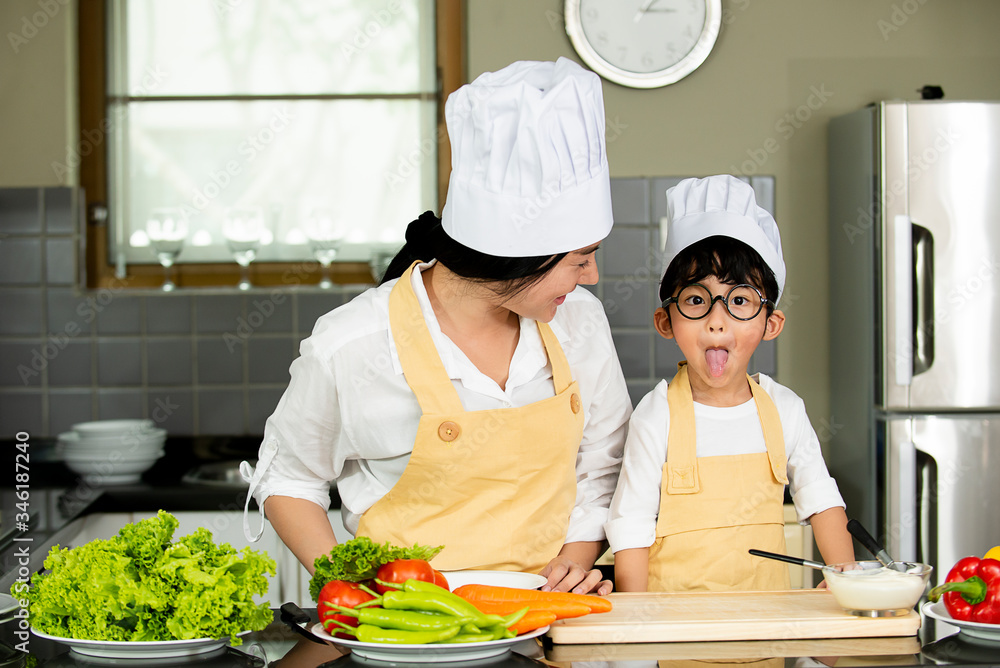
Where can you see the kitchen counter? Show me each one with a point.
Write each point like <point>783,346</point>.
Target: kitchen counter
<point>278,646</point>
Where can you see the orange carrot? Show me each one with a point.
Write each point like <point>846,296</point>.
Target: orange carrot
<point>562,610</point>
<point>478,592</point>
<point>533,619</point>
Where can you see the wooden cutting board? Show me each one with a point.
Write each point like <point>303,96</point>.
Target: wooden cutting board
<point>701,616</point>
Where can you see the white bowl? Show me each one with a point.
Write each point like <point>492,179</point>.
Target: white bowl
<point>868,589</point>
<point>514,579</point>
<point>113,468</point>
<point>152,439</point>
<point>105,428</point>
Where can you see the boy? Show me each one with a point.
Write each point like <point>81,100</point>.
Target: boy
<point>706,457</point>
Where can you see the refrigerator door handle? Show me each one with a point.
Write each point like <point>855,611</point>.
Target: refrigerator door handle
<point>902,509</point>
<point>902,354</point>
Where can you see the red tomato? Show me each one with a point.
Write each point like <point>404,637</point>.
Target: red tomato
<point>440,580</point>
<point>345,594</point>
<point>401,570</point>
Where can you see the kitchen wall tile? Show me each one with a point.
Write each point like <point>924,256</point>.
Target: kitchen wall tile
<point>119,404</point>
<point>20,210</point>
<point>60,211</point>
<point>269,359</point>
<point>639,388</point>
<point>763,190</point>
<point>312,306</point>
<point>172,410</point>
<point>168,362</point>
<point>119,362</point>
<point>72,366</point>
<point>630,200</point>
<point>628,303</point>
<point>60,261</point>
<point>270,313</point>
<point>658,196</point>
<point>262,403</point>
<point>22,411</point>
<point>219,362</point>
<point>218,313</point>
<point>765,358</point>
<point>22,311</point>
<point>69,407</point>
<point>21,261</point>
<point>168,314</point>
<point>634,354</point>
<point>70,313</point>
<point>22,363</point>
<point>220,412</point>
<point>666,355</point>
<point>121,315</point>
<point>625,251</point>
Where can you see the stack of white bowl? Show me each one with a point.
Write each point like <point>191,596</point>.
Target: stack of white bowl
<point>112,452</point>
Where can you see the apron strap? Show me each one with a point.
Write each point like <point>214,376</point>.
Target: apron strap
<point>423,371</point>
<point>774,436</point>
<point>562,377</point>
<point>682,451</point>
<point>253,477</point>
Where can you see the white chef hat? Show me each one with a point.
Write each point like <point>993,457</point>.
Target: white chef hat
<point>724,206</point>
<point>529,172</point>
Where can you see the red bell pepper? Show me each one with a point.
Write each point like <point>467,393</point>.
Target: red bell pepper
<point>971,591</point>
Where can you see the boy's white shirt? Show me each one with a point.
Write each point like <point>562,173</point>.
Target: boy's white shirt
<point>719,431</point>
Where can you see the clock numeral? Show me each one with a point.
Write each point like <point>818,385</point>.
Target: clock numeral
<point>622,54</point>
<point>591,14</point>
<point>647,60</point>
<point>601,38</point>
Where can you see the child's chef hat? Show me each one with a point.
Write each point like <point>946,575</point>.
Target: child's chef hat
<point>529,172</point>
<point>724,206</point>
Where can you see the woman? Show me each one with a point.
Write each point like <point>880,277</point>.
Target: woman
<point>474,399</point>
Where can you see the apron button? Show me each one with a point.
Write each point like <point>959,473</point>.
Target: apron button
<point>449,431</point>
<point>574,402</point>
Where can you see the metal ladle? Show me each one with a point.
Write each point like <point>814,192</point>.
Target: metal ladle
<point>858,531</point>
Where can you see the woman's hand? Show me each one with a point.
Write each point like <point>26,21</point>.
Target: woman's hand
<point>564,574</point>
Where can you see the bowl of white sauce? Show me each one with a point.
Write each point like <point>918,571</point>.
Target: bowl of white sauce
<point>869,589</point>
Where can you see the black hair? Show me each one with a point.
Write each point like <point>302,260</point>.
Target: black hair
<point>729,260</point>
<point>426,240</point>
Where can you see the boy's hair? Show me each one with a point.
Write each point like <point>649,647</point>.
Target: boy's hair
<point>729,260</point>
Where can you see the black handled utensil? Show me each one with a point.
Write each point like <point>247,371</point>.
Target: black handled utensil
<point>298,620</point>
<point>799,561</point>
<point>858,531</point>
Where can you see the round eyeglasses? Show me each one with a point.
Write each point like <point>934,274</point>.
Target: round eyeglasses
<point>695,301</point>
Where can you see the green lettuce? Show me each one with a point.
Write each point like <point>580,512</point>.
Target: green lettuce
<point>358,559</point>
<point>139,585</point>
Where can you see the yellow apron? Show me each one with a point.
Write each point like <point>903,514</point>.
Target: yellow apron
<point>495,487</point>
<point>714,509</point>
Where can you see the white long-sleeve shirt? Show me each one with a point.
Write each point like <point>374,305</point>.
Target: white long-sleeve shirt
<point>718,431</point>
<point>349,417</point>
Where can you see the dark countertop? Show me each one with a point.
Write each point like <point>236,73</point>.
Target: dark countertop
<point>278,645</point>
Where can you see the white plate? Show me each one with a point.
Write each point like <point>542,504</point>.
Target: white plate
<point>139,649</point>
<point>976,630</point>
<point>434,653</point>
<point>496,578</point>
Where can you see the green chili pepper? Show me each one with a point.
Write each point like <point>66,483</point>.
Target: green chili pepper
<point>471,637</point>
<point>403,620</point>
<point>434,602</point>
<point>375,634</point>
<point>457,603</point>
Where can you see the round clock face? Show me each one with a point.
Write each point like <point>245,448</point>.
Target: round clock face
<point>643,43</point>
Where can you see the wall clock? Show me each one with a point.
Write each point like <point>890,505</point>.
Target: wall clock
<point>643,43</point>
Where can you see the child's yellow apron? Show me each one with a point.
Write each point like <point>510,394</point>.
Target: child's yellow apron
<point>714,509</point>
<point>495,487</point>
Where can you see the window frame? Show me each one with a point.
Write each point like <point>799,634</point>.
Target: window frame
<point>93,170</point>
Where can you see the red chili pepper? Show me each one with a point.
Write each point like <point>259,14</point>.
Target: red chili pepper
<point>971,591</point>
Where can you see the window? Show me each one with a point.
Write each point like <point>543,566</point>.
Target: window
<point>317,120</point>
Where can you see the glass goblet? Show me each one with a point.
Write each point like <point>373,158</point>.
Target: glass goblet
<point>167,229</point>
<point>243,228</point>
<point>325,234</point>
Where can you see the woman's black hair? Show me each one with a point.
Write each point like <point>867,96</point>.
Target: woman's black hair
<point>426,240</point>
<point>729,260</point>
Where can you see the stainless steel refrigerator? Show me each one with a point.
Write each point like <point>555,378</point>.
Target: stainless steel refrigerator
<point>914,215</point>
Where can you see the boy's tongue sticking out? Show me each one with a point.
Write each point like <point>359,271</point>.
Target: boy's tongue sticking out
<point>716,358</point>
